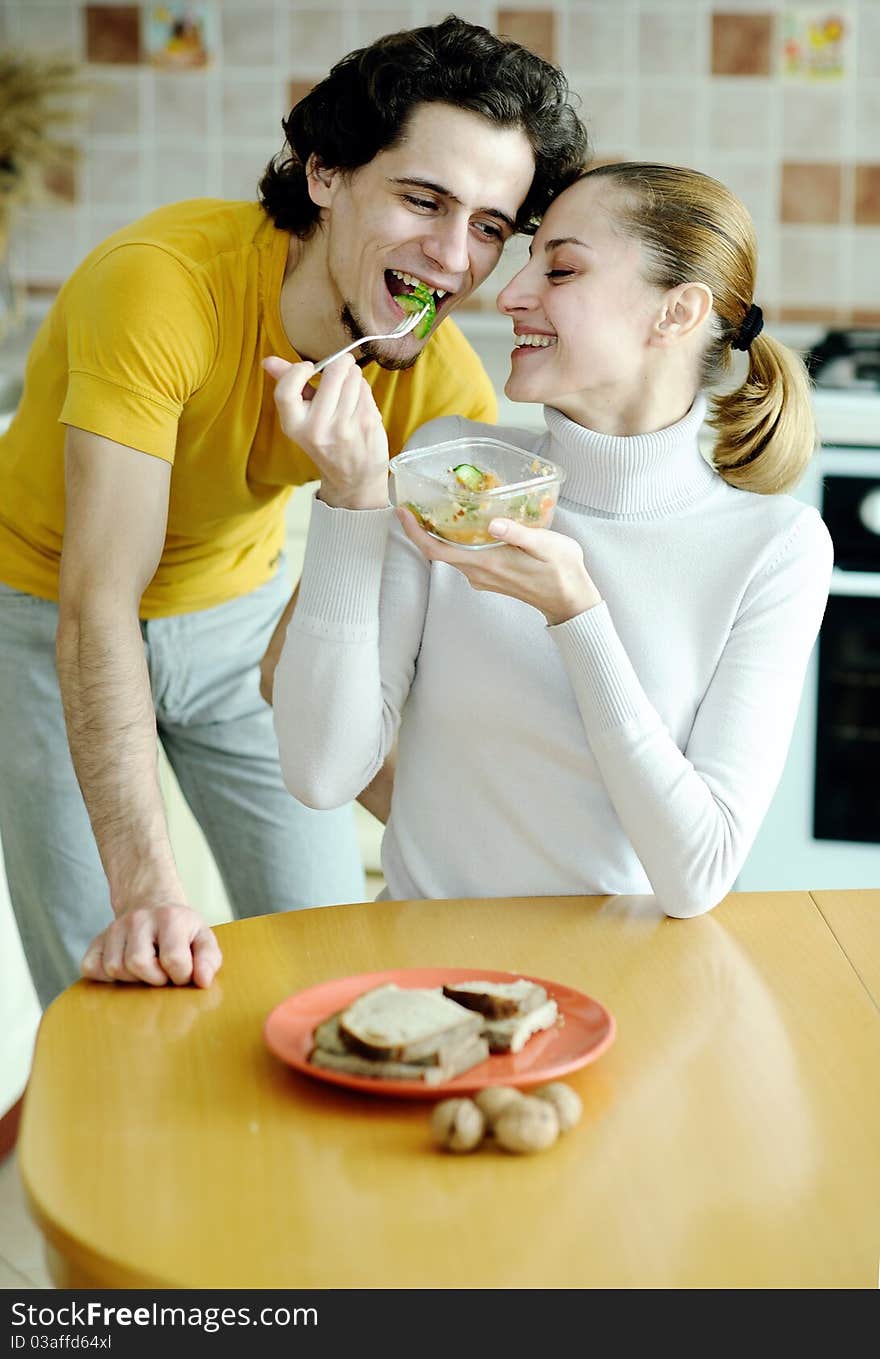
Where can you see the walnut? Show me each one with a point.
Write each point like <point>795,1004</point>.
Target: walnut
<point>527,1125</point>
<point>457,1125</point>
<point>494,1100</point>
<point>565,1101</point>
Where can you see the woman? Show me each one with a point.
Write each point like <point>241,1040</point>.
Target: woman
<point>609,708</point>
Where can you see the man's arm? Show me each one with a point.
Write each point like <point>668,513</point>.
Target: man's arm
<point>116,513</point>
<point>376,797</point>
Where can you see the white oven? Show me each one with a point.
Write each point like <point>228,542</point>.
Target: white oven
<point>823,827</point>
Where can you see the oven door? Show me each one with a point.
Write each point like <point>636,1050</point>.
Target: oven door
<point>822,829</point>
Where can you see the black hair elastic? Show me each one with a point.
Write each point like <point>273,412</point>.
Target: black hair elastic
<point>751,326</point>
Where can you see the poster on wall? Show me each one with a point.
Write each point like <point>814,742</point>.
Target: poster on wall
<point>816,43</point>
<point>179,36</point>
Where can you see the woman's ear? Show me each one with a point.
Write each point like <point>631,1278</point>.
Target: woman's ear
<point>321,181</point>
<point>683,311</point>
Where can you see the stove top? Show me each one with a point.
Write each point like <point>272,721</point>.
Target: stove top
<point>846,360</point>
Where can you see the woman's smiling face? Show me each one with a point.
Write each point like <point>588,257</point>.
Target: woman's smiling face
<point>581,308</point>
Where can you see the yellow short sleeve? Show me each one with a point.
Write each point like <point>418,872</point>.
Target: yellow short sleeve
<point>142,337</point>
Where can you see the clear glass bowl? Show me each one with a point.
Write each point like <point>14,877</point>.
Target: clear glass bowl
<point>457,507</point>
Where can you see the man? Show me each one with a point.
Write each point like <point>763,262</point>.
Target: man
<point>144,480</point>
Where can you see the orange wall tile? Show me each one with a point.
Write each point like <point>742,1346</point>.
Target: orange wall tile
<point>867,205</point>
<point>113,33</point>
<point>810,193</point>
<point>741,44</point>
<point>534,28</point>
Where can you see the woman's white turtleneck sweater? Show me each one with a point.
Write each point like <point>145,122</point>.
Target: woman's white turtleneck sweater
<point>634,748</point>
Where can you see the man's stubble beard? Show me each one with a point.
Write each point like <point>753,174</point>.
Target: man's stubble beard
<point>375,351</point>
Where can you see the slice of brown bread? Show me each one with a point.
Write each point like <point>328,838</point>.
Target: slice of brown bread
<point>328,1037</point>
<point>474,1051</point>
<point>497,1000</point>
<point>401,1024</point>
<point>511,1035</point>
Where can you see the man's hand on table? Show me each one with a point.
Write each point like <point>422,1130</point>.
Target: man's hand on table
<point>157,945</point>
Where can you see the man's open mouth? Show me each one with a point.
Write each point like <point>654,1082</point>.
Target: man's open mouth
<point>401,284</point>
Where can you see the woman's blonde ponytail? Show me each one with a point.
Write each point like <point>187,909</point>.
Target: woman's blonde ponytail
<point>765,430</point>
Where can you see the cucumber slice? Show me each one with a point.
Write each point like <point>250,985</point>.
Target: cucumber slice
<point>471,478</point>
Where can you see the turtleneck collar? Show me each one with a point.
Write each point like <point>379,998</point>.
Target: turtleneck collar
<point>642,476</point>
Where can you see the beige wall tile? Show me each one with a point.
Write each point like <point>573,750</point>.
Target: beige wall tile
<point>741,113</point>
<point>666,128</point>
<point>179,173</point>
<point>811,270</point>
<point>242,172</point>
<point>755,181</point>
<point>598,40</point>
<point>812,123</point>
<point>180,103</point>
<point>114,176</point>
<point>473,11</point>
<point>316,39</point>
<point>248,35</point>
<point>866,266</point>
<point>867,196</point>
<point>742,44</point>
<point>867,136</point>
<point>534,28</point>
<point>48,236</point>
<point>868,40</point>
<point>609,114</point>
<point>375,23</point>
<point>810,193</point>
<point>669,41</point>
<point>252,107</point>
<point>115,104</point>
<point>47,28</point>
<point>112,33</point>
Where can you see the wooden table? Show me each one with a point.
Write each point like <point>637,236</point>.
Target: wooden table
<point>854,920</point>
<point>730,1135</point>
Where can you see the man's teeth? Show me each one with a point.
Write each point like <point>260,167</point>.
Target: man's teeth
<point>412,282</point>
<point>534,341</point>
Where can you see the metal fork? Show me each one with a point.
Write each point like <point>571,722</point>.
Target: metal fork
<point>403,329</point>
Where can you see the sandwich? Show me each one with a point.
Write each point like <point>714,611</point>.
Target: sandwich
<point>512,1011</point>
<point>497,1000</point>
<point>406,1025</point>
<point>431,1034</point>
<point>330,1052</point>
<point>393,1033</point>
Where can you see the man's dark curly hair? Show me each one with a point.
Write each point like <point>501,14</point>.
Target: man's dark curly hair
<point>362,108</point>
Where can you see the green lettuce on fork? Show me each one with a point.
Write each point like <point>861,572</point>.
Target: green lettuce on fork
<point>419,297</point>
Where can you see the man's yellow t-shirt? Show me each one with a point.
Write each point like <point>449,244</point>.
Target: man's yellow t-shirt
<point>155,341</point>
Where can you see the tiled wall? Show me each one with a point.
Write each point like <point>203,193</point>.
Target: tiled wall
<point>697,82</point>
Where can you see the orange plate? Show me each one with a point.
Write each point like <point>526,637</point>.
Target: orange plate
<point>587,1031</point>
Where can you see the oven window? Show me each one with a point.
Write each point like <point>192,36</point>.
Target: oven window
<point>847,788</point>
<point>851,509</point>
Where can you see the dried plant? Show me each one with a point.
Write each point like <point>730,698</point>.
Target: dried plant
<point>39,99</point>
